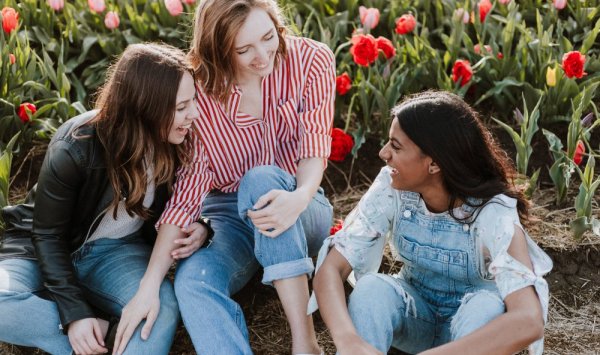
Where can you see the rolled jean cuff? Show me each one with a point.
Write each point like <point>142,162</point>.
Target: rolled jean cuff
<point>287,270</point>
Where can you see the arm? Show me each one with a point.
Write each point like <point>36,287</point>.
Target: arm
<point>192,185</point>
<point>316,119</point>
<point>329,289</point>
<point>521,325</point>
<point>58,188</point>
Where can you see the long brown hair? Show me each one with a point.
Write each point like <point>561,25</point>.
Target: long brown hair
<point>216,25</point>
<point>136,109</point>
<point>448,130</point>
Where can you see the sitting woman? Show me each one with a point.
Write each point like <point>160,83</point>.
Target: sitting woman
<point>471,280</point>
<point>76,257</point>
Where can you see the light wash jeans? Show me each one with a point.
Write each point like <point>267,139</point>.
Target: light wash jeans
<point>205,281</point>
<point>109,272</point>
<point>440,293</point>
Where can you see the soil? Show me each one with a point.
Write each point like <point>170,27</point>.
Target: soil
<point>574,281</point>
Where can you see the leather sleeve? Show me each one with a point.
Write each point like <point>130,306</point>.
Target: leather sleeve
<point>61,177</point>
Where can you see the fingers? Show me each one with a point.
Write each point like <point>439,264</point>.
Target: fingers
<point>265,199</point>
<point>124,332</point>
<point>98,333</point>
<point>147,328</point>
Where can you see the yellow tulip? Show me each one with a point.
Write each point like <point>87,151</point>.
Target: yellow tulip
<point>551,77</point>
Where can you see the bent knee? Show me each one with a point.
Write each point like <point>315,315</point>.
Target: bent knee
<point>476,310</point>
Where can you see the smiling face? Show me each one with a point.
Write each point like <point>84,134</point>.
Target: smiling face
<point>185,110</point>
<point>410,167</point>
<point>255,46</point>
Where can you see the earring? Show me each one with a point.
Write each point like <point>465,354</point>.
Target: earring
<point>431,171</point>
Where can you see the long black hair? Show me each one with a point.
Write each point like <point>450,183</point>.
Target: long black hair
<point>474,168</point>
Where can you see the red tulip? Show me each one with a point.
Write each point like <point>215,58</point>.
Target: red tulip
<point>579,152</point>
<point>364,50</point>
<point>12,58</point>
<point>336,227</point>
<point>484,8</point>
<point>341,145</point>
<point>573,63</point>
<point>461,71</point>
<point>189,2</point>
<point>10,19</point>
<point>405,24</point>
<point>343,84</point>
<point>386,46</point>
<point>369,17</point>
<point>25,111</point>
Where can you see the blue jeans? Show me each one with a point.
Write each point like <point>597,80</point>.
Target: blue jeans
<point>388,311</point>
<point>205,281</point>
<point>109,272</point>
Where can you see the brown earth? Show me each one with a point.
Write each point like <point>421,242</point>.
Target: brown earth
<point>574,318</point>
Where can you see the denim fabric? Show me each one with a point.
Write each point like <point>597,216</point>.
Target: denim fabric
<point>109,272</point>
<point>421,307</point>
<point>205,281</point>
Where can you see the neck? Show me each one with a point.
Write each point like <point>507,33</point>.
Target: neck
<point>248,81</point>
<point>436,198</point>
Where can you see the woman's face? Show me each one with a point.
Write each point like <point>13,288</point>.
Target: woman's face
<point>410,167</point>
<point>185,110</point>
<point>255,46</point>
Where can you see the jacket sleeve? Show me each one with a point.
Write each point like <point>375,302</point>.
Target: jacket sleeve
<point>60,181</point>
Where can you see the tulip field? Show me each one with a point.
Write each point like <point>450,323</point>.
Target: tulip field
<point>531,68</point>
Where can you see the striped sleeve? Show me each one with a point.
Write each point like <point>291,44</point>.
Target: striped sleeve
<point>316,116</point>
<point>193,183</point>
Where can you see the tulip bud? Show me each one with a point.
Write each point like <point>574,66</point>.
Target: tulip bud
<point>518,116</point>
<point>551,77</point>
<point>587,120</point>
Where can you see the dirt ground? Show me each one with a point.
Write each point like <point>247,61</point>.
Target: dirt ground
<point>574,317</point>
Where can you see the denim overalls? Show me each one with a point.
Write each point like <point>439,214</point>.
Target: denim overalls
<point>440,293</point>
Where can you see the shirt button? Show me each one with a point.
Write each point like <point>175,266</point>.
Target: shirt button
<point>407,214</point>
<point>466,227</point>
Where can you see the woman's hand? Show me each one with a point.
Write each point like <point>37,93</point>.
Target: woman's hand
<point>354,344</point>
<point>278,210</point>
<point>196,235</point>
<point>86,337</point>
<point>144,305</point>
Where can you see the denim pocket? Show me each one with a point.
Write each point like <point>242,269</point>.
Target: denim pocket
<point>449,263</point>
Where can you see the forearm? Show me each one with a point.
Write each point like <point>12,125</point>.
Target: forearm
<point>308,177</point>
<point>329,290</point>
<point>507,334</point>
<point>161,259</point>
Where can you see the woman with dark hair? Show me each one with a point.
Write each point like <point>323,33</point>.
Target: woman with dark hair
<point>266,113</point>
<point>74,254</point>
<point>471,280</point>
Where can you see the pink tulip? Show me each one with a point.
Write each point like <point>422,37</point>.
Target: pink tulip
<point>97,5</point>
<point>175,7</point>
<point>462,15</point>
<point>560,4</point>
<point>111,20</point>
<point>56,5</point>
<point>504,2</point>
<point>369,17</point>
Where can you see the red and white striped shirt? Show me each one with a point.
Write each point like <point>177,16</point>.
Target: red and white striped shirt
<point>298,107</point>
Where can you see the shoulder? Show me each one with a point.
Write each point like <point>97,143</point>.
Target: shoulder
<point>74,139</point>
<point>498,207</point>
<point>306,48</point>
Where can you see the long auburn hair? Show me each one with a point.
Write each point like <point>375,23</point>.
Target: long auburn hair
<point>212,52</point>
<point>472,164</point>
<point>136,110</point>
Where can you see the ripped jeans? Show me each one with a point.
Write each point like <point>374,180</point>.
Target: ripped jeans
<point>400,317</point>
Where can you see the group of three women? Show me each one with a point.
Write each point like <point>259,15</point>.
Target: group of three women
<point>217,163</point>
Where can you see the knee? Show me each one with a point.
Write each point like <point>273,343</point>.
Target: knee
<point>369,296</point>
<point>476,310</point>
<point>262,179</point>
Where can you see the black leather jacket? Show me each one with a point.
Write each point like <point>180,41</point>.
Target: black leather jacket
<point>72,194</point>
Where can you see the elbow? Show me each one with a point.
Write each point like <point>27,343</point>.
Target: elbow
<point>533,326</point>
